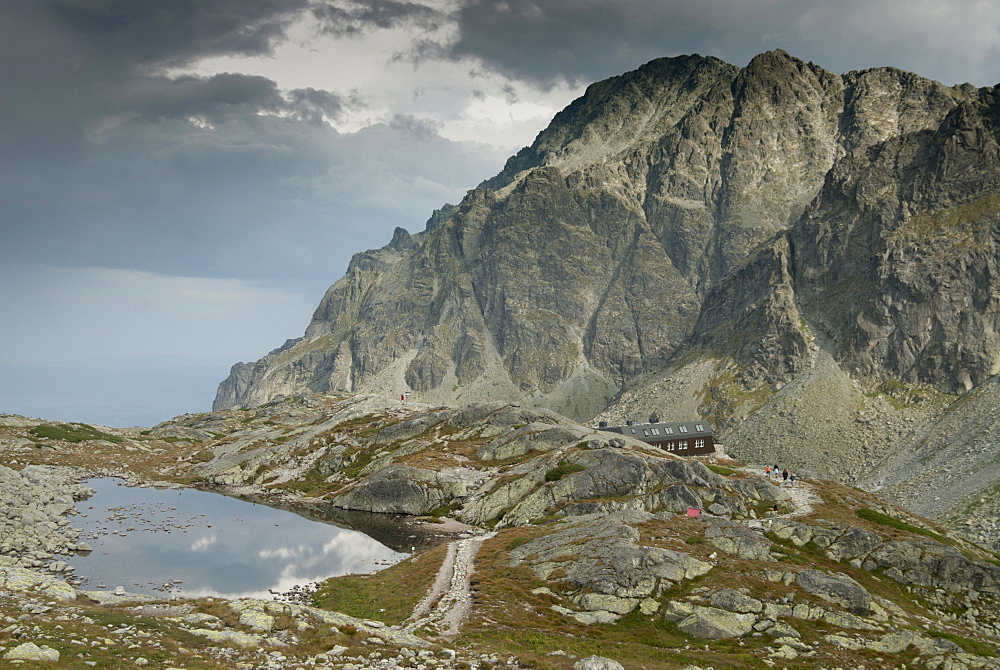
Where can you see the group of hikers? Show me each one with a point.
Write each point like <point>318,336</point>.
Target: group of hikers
<point>786,476</point>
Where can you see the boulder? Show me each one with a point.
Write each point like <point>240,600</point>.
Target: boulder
<point>401,489</point>
<point>739,540</point>
<point>257,620</point>
<point>679,498</point>
<point>29,651</point>
<point>853,544</point>
<point>715,624</point>
<point>734,601</point>
<point>896,642</point>
<point>839,589</point>
<point>597,663</point>
<point>599,601</point>
<point>674,565</point>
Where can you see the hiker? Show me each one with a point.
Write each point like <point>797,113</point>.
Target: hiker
<point>774,510</point>
<point>767,471</point>
<point>784,475</point>
<point>791,479</point>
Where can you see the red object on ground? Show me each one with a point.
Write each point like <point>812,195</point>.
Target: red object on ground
<point>693,512</point>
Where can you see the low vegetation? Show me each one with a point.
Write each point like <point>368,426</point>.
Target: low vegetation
<point>562,470</point>
<point>886,520</point>
<point>72,432</point>
<point>390,595</point>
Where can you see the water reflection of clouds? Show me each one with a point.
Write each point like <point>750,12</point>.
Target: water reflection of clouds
<point>283,552</point>
<point>204,543</point>
<point>240,550</point>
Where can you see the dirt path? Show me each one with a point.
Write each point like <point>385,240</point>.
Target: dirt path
<point>802,494</point>
<point>448,602</point>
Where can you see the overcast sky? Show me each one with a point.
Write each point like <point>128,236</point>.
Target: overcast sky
<point>180,180</point>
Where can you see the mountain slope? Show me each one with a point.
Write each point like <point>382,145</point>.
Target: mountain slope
<point>587,261</point>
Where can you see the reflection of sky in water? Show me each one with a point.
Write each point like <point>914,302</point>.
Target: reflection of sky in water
<point>214,545</point>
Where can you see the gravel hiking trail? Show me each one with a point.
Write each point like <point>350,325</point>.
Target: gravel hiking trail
<point>448,602</point>
<point>801,493</point>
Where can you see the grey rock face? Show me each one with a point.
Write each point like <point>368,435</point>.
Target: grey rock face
<point>401,489</point>
<point>734,601</point>
<point>548,282</point>
<point>739,540</point>
<point>715,624</point>
<point>838,588</point>
<point>896,259</point>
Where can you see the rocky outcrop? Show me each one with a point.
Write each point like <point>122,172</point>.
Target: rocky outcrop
<point>614,244</point>
<point>400,489</point>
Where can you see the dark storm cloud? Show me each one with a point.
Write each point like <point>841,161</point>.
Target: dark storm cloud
<point>547,41</point>
<point>174,31</point>
<point>215,98</point>
<point>109,160</point>
<point>72,69</point>
<point>354,18</point>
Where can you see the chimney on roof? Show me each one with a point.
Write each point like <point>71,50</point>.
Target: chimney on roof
<point>602,424</point>
<point>654,419</point>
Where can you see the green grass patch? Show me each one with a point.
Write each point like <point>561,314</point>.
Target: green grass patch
<point>886,520</point>
<point>390,595</point>
<point>719,470</point>
<point>563,469</point>
<point>517,542</point>
<point>445,510</point>
<point>357,462</point>
<point>971,646</point>
<point>72,432</point>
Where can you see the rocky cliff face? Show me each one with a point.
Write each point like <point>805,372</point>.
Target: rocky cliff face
<point>614,245</point>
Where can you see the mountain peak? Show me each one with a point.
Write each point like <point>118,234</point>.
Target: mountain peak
<point>695,239</point>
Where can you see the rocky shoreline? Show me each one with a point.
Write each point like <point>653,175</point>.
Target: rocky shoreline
<point>36,504</point>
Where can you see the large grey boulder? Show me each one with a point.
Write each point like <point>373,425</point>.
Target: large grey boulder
<point>597,663</point>
<point>854,543</point>
<point>734,601</point>
<point>401,489</point>
<point>715,624</point>
<point>837,588</point>
<point>678,498</point>
<point>739,540</point>
<point>607,560</point>
<point>29,651</point>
